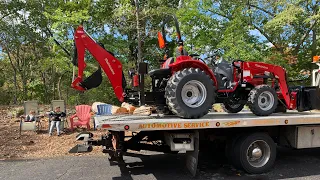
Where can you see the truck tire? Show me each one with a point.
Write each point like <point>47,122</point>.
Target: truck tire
<point>232,108</point>
<point>229,150</point>
<point>262,100</point>
<point>190,93</point>
<point>255,153</point>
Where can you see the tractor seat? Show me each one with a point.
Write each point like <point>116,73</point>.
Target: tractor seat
<point>166,64</point>
<point>164,71</point>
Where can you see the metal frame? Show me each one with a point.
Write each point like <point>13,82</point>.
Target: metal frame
<point>28,105</point>
<point>153,126</point>
<point>212,120</point>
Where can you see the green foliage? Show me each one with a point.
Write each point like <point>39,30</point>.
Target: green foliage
<point>34,67</point>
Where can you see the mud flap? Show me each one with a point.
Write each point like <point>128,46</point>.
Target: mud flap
<point>192,156</point>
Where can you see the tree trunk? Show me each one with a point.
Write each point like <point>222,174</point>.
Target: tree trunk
<point>59,86</point>
<point>46,95</point>
<point>24,85</point>
<point>132,48</point>
<point>314,42</point>
<point>53,90</point>
<point>314,37</point>
<point>67,96</point>
<point>53,82</point>
<point>138,32</point>
<point>22,74</point>
<point>15,98</point>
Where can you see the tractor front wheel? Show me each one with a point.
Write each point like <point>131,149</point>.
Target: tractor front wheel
<point>262,100</point>
<point>190,93</point>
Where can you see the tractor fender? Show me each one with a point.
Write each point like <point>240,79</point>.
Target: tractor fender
<point>190,63</point>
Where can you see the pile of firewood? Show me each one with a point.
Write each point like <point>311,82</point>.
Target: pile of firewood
<point>126,108</point>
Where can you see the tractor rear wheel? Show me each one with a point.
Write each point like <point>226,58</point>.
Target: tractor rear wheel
<point>190,93</point>
<point>262,100</point>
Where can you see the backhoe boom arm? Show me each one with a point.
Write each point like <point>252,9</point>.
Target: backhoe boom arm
<point>110,65</point>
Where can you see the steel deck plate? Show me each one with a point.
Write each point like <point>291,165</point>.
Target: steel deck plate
<point>212,120</point>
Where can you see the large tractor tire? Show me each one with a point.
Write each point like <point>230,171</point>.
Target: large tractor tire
<point>262,100</point>
<point>232,108</point>
<point>190,93</point>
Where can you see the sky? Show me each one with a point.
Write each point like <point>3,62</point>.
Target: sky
<point>1,54</point>
<point>260,37</point>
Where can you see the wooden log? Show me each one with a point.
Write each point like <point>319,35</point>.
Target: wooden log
<point>129,107</point>
<point>143,110</point>
<point>119,110</point>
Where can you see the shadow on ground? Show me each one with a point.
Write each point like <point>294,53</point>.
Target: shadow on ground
<point>289,164</point>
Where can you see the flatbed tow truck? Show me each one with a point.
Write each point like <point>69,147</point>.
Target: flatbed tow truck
<point>188,87</point>
<point>250,141</point>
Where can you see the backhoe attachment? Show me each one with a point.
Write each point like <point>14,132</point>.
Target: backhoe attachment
<point>110,65</point>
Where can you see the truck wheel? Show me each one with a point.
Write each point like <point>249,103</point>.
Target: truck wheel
<point>190,93</point>
<point>262,100</point>
<point>255,153</point>
<point>232,108</point>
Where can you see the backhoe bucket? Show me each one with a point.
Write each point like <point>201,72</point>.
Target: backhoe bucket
<point>93,81</point>
<point>308,98</point>
<point>315,98</point>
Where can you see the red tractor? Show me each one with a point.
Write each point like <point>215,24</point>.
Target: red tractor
<point>188,87</point>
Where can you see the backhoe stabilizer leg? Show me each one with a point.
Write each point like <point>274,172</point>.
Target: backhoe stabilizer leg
<point>81,148</point>
<point>88,142</point>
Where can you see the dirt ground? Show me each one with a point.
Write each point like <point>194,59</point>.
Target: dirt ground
<point>39,144</point>
<point>31,144</point>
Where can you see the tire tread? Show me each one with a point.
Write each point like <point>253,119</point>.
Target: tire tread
<point>172,100</point>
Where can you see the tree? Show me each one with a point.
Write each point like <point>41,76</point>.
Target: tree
<point>280,32</point>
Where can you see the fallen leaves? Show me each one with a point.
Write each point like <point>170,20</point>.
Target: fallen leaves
<point>33,145</point>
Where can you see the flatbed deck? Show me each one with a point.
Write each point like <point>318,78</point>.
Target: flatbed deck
<point>211,120</point>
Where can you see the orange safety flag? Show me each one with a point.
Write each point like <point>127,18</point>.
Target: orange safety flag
<point>161,41</point>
